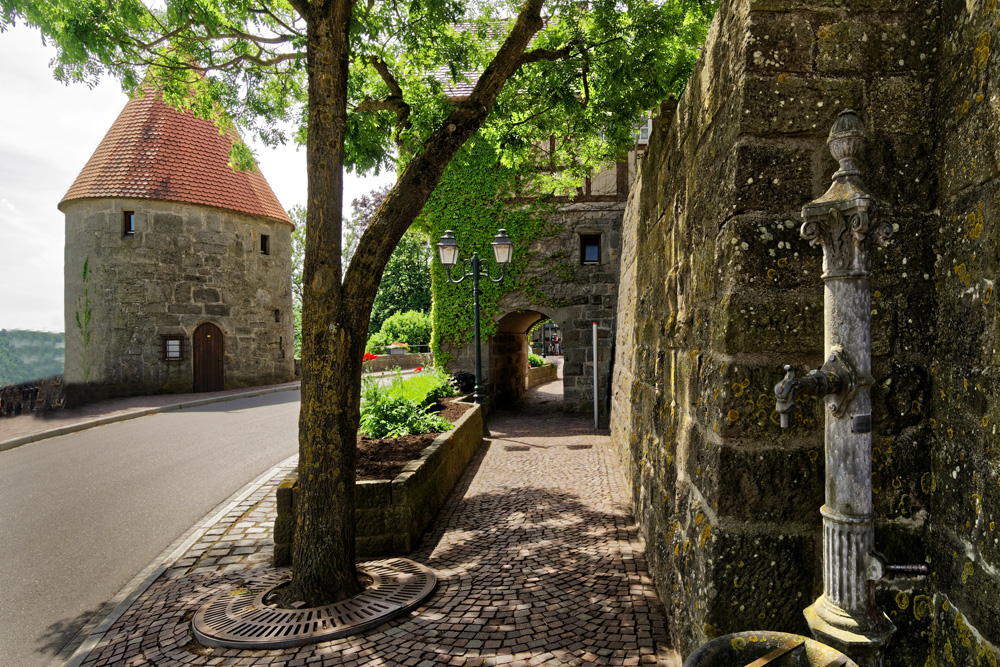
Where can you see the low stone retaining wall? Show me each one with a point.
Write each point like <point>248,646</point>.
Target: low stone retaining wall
<point>540,374</point>
<point>392,514</point>
<point>404,361</point>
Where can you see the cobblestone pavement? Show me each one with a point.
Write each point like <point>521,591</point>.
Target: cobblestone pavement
<point>538,560</point>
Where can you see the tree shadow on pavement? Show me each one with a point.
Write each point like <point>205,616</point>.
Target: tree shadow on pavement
<point>63,631</point>
<point>540,570</point>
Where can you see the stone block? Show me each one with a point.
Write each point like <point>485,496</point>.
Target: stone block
<point>794,103</point>
<point>372,494</point>
<point>964,607</point>
<point>970,149</point>
<point>779,42</point>
<point>766,253</point>
<point>900,171</point>
<point>169,225</point>
<point>896,44</point>
<point>217,309</point>
<point>967,60</point>
<point>370,522</point>
<point>185,309</point>
<point>206,295</point>
<point>899,105</point>
<point>783,485</point>
<point>760,580</point>
<point>748,321</point>
<point>769,176</point>
<point>735,399</point>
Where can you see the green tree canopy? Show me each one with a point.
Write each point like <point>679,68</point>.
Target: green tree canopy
<point>406,281</point>
<point>371,86</point>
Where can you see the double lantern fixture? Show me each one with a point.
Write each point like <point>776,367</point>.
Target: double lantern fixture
<point>476,268</point>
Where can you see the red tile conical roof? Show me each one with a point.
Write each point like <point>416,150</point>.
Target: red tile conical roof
<point>153,151</point>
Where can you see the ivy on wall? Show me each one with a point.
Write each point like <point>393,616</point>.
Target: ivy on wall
<point>472,200</point>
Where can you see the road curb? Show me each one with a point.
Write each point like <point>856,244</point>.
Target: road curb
<point>89,637</point>
<point>143,412</point>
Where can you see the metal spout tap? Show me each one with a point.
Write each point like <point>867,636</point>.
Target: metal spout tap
<point>836,376</point>
<point>815,383</point>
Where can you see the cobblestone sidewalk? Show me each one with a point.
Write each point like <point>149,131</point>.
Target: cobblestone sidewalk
<point>538,560</point>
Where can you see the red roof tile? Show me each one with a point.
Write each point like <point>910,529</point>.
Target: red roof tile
<point>153,151</point>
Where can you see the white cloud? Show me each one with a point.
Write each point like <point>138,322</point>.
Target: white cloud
<point>8,205</point>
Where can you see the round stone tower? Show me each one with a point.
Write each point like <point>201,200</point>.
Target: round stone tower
<point>178,269</point>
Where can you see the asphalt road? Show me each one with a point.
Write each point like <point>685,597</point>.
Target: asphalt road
<point>82,514</point>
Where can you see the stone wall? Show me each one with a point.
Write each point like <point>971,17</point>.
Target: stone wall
<point>508,367</point>
<point>718,291</point>
<point>406,361</point>
<point>958,609</point>
<point>541,375</point>
<point>185,265</point>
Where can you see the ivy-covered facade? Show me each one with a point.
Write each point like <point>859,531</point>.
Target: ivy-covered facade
<point>565,268</point>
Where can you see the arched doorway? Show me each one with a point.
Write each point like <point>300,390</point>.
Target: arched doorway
<point>209,352</point>
<point>509,349</point>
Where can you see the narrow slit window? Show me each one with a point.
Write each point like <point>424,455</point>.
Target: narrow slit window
<point>128,223</point>
<point>265,244</point>
<point>590,248</point>
<point>173,347</point>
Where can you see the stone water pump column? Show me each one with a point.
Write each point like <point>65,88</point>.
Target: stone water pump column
<point>845,616</point>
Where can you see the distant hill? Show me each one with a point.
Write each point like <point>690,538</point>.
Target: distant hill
<point>26,356</point>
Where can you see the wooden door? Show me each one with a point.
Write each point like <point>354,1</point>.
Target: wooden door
<point>209,350</point>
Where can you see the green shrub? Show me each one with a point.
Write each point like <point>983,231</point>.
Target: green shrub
<point>534,361</point>
<point>388,412</point>
<point>377,343</point>
<point>411,327</point>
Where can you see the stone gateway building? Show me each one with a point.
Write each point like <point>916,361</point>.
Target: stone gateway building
<point>177,268</point>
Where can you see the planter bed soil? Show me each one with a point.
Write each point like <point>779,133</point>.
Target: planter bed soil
<point>384,458</point>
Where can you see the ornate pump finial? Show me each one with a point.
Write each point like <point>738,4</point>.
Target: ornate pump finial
<point>840,220</point>
<point>847,142</point>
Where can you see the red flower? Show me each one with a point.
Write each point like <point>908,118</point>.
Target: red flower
<point>368,357</point>
<point>418,369</point>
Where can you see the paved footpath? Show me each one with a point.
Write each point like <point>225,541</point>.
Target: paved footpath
<point>538,559</point>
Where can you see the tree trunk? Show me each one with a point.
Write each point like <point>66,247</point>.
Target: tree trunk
<point>323,559</point>
<point>335,315</point>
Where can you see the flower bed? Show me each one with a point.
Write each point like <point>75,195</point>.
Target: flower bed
<point>392,514</point>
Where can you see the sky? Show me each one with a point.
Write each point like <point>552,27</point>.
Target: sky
<point>48,131</point>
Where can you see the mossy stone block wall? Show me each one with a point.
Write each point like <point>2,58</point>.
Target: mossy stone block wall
<point>959,610</point>
<point>718,291</point>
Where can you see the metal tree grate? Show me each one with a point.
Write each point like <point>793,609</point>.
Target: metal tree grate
<point>240,619</point>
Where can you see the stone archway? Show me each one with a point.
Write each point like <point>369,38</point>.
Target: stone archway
<point>509,355</point>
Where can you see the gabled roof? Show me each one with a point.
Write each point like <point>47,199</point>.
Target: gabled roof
<point>153,151</point>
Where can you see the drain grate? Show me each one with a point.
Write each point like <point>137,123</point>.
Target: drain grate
<point>240,619</point>
<point>579,446</point>
<point>516,448</point>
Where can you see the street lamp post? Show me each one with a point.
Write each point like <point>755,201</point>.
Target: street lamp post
<point>503,252</point>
